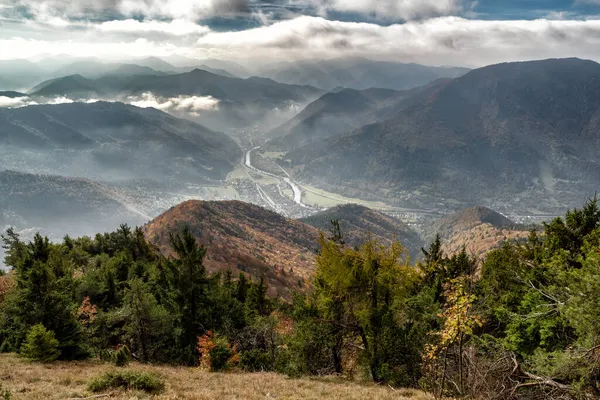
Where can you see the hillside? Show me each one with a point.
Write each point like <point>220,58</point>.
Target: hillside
<point>73,85</point>
<point>478,229</point>
<point>12,95</point>
<point>358,223</point>
<point>333,114</point>
<point>522,135</point>
<point>59,205</point>
<point>113,139</point>
<point>244,238</point>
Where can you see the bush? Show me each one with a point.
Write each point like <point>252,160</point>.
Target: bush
<point>128,380</point>
<point>215,353</point>
<point>40,345</point>
<point>256,360</point>
<point>122,356</point>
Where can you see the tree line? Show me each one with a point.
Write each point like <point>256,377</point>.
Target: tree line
<point>523,323</point>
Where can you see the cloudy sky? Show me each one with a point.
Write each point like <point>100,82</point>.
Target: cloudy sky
<point>436,32</point>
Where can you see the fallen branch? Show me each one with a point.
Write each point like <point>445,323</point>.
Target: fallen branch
<point>537,380</point>
<point>97,396</point>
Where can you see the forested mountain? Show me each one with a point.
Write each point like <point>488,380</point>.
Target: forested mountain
<point>73,85</point>
<point>113,139</point>
<point>57,206</point>
<point>524,134</point>
<point>359,224</point>
<point>204,83</point>
<point>245,238</point>
<point>359,73</point>
<point>332,114</point>
<point>237,102</point>
<point>477,229</point>
<point>47,202</point>
<point>517,325</point>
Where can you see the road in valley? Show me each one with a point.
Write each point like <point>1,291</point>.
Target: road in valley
<point>287,179</point>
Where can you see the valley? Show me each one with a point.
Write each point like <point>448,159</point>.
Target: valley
<point>295,149</point>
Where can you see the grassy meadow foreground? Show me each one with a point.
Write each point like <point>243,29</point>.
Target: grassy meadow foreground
<point>68,380</point>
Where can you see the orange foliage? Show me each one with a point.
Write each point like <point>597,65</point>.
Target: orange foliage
<point>87,312</point>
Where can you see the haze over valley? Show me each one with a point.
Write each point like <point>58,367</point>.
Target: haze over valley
<point>416,143</point>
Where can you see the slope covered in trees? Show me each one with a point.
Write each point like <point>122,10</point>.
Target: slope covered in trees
<point>112,138</point>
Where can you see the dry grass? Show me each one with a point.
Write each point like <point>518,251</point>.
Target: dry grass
<point>64,380</point>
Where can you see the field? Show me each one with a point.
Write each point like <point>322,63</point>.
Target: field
<point>324,199</point>
<point>68,380</point>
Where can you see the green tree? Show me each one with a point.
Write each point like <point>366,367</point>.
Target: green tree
<point>191,284</point>
<point>40,345</point>
<point>149,326</point>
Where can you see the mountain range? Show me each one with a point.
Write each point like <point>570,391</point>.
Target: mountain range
<point>519,134</point>
<point>358,73</point>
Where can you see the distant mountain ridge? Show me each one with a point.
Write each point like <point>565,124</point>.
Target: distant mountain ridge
<point>332,114</point>
<point>72,85</point>
<point>360,74</point>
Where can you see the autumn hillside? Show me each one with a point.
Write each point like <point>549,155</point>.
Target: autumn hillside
<point>358,223</point>
<point>244,238</point>
<point>478,229</point>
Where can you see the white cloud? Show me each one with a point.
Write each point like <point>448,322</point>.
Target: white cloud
<point>83,46</point>
<point>182,104</point>
<point>46,10</point>
<point>443,40</point>
<point>176,27</point>
<point>15,102</point>
<point>59,100</point>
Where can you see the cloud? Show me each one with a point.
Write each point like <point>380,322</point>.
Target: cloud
<point>182,104</point>
<point>18,102</point>
<point>441,40</point>
<point>390,9</point>
<point>193,105</point>
<point>15,102</point>
<point>59,100</point>
<point>177,27</point>
<point>47,10</point>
